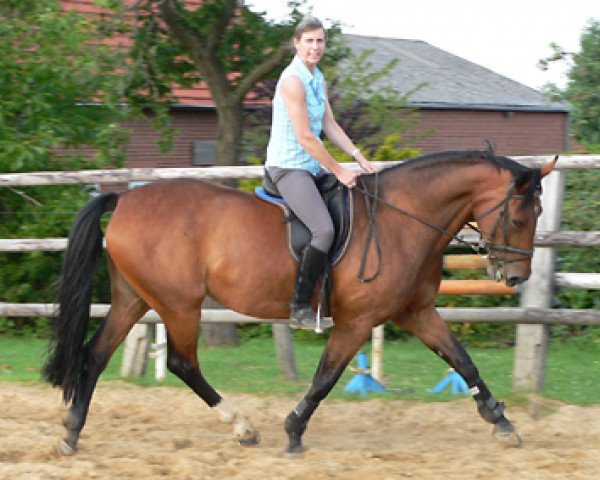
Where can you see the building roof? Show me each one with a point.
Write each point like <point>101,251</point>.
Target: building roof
<point>451,81</point>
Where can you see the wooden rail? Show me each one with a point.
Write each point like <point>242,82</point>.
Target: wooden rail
<point>542,239</point>
<point>537,316</point>
<point>126,175</point>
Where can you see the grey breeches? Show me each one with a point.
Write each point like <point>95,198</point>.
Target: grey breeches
<point>298,189</point>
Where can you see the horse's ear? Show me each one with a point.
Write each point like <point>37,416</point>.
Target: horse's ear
<point>548,167</point>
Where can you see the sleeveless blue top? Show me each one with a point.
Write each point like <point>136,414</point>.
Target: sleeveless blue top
<point>283,150</point>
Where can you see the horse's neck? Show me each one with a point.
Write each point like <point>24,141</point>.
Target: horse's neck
<point>443,200</point>
<point>441,195</point>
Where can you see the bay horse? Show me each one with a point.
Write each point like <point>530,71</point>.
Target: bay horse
<point>171,243</point>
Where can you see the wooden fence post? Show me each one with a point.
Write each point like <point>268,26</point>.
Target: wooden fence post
<point>160,351</point>
<point>377,336</point>
<point>532,340</point>
<point>284,347</point>
<point>135,353</point>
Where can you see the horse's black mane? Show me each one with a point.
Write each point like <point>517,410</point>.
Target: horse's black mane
<point>520,173</point>
<point>448,157</point>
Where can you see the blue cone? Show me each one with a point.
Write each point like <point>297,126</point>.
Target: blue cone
<point>455,380</point>
<point>363,382</point>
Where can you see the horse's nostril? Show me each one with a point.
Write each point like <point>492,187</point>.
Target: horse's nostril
<point>512,281</point>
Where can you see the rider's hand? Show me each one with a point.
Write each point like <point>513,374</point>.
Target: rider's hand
<point>364,163</point>
<point>347,177</point>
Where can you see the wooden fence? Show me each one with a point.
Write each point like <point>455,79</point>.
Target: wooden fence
<point>532,318</point>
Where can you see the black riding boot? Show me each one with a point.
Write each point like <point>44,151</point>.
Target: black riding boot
<point>311,265</point>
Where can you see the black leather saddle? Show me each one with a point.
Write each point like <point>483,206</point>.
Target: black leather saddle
<point>338,202</point>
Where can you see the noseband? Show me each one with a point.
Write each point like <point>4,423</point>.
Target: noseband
<point>373,199</point>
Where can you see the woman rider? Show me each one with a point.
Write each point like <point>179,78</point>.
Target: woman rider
<point>296,158</point>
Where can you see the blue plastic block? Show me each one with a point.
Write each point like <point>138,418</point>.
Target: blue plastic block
<point>457,383</point>
<point>363,382</point>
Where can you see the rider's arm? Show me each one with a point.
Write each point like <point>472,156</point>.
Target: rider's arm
<point>338,137</point>
<point>294,97</point>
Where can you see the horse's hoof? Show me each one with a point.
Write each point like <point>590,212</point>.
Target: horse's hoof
<point>245,433</point>
<point>294,450</point>
<point>507,436</point>
<point>65,449</point>
<point>295,446</point>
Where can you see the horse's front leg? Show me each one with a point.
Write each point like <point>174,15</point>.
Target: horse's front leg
<point>341,347</point>
<point>431,329</point>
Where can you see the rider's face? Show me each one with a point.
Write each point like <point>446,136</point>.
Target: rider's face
<point>310,47</point>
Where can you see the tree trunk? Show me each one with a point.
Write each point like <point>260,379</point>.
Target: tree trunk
<point>228,152</point>
<point>218,334</point>
<point>284,347</point>
<point>229,135</point>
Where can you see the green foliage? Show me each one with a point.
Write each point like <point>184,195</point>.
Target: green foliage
<point>366,108</point>
<point>44,212</point>
<point>584,83</point>
<point>390,150</point>
<point>59,90</point>
<point>249,184</point>
<point>580,213</point>
<point>51,65</point>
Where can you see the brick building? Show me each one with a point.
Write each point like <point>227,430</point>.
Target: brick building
<point>465,104</point>
<point>462,104</point>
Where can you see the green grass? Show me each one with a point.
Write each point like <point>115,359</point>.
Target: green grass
<point>571,374</point>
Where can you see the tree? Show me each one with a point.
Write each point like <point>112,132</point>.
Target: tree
<point>583,84</point>
<point>58,91</point>
<point>367,109</point>
<point>221,43</point>
<point>51,66</point>
<point>581,204</point>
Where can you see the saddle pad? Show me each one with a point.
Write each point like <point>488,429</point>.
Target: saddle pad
<point>341,210</point>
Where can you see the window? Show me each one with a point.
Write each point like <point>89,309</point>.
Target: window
<point>203,152</point>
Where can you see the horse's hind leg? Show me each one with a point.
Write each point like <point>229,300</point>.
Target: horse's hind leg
<point>430,328</point>
<point>183,330</point>
<point>341,347</point>
<point>126,309</point>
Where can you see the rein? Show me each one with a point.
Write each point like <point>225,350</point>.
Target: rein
<point>373,199</point>
<point>372,231</point>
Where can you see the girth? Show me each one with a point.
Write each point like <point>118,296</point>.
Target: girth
<point>339,204</point>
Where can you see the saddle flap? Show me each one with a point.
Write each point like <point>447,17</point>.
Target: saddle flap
<point>339,204</point>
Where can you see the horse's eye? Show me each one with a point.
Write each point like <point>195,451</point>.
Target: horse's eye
<point>518,223</point>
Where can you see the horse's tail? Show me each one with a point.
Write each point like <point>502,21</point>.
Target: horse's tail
<point>66,353</point>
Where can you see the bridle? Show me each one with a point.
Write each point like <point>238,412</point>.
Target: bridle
<point>503,217</point>
<point>482,245</point>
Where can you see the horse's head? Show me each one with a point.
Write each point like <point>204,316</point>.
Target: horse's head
<point>508,223</point>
